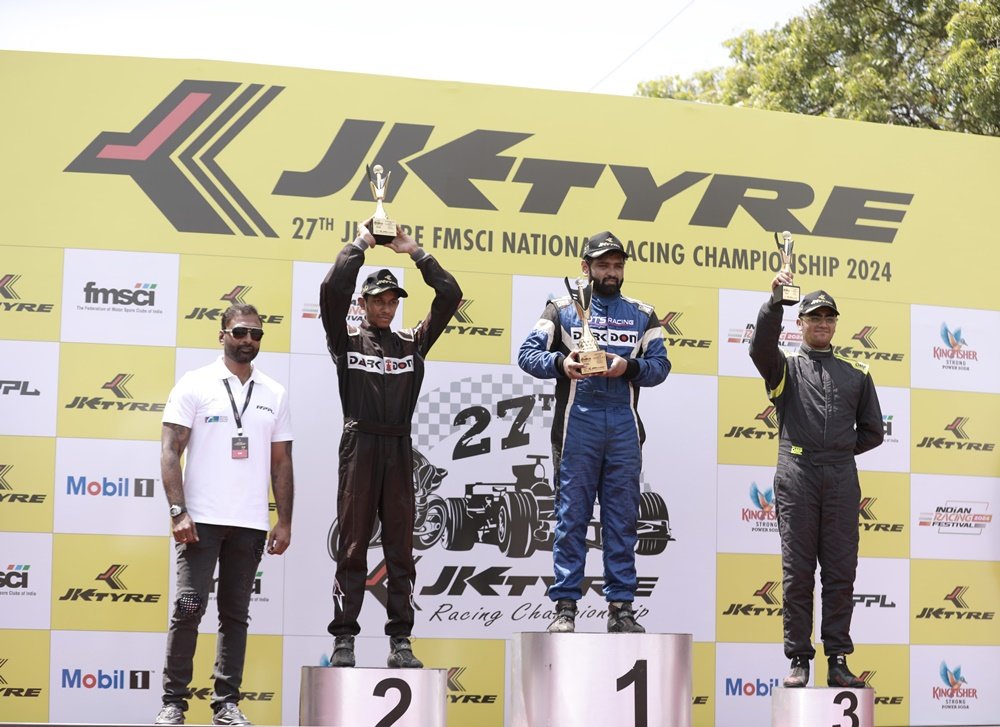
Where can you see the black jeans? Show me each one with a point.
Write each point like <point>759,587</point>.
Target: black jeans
<point>238,552</point>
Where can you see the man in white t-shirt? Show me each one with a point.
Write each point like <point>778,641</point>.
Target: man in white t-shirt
<point>233,422</point>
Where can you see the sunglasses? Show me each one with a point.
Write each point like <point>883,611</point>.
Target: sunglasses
<point>820,319</point>
<point>241,332</point>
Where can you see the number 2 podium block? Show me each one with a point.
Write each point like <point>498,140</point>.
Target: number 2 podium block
<point>814,706</point>
<point>360,697</point>
<point>581,680</point>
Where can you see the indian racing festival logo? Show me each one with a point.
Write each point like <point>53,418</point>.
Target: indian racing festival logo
<point>675,337</point>
<point>762,513</point>
<point>956,692</point>
<point>956,354</point>
<point>960,611</point>
<point>768,417</point>
<point>957,430</point>
<point>118,592</point>
<point>465,325</point>
<point>123,400</point>
<point>767,593</point>
<point>7,493</point>
<point>868,522</point>
<point>10,301</point>
<point>6,690</point>
<point>868,350</point>
<point>962,517</point>
<point>789,338</point>
<point>172,154</point>
<point>236,296</point>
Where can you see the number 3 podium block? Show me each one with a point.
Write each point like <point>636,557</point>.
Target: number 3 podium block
<point>814,706</point>
<point>358,697</point>
<point>580,680</point>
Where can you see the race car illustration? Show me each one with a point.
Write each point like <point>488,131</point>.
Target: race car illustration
<point>519,517</point>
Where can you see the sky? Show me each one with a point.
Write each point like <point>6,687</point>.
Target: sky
<point>585,46</point>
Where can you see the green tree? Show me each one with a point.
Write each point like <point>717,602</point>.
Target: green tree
<point>927,63</point>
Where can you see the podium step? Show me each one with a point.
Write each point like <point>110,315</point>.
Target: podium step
<point>813,706</point>
<point>581,680</point>
<point>360,697</point>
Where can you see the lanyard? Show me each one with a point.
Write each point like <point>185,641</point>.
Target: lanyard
<point>246,402</point>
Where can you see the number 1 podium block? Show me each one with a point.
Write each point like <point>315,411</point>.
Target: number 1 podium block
<point>360,697</point>
<point>812,706</point>
<point>580,680</point>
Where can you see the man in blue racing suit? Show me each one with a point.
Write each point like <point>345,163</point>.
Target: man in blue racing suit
<point>597,434</point>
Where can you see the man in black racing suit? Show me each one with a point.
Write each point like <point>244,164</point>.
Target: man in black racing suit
<point>380,372</point>
<point>828,412</point>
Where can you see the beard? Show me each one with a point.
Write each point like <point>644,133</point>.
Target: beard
<point>241,353</point>
<point>612,287</point>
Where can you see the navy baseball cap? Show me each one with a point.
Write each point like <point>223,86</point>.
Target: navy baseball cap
<point>601,243</point>
<point>817,299</point>
<point>381,281</point>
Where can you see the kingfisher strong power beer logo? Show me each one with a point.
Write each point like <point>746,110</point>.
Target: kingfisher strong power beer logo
<point>199,119</point>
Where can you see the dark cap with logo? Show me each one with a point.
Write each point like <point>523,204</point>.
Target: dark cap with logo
<point>381,281</point>
<point>817,299</point>
<point>601,243</point>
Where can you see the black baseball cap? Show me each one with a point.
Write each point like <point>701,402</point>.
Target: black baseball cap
<point>817,299</point>
<point>381,281</point>
<point>601,243</point>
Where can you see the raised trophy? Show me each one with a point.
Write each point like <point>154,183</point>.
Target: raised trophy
<point>383,229</point>
<point>594,360</point>
<point>785,294</point>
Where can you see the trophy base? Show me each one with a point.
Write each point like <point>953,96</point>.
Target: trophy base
<point>594,362</point>
<point>383,230</point>
<point>786,295</point>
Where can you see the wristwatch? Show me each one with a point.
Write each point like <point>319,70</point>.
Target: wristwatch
<point>176,510</point>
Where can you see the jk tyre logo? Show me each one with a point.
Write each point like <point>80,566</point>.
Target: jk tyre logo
<point>237,295</point>
<point>675,336</point>
<point>112,576</point>
<point>117,386</point>
<point>466,324</point>
<point>7,287</point>
<point>172,154</point>
<point>957,429</point>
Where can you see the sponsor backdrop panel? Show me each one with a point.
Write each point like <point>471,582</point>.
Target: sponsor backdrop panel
<point>955,517</point>
<point>881,602</point>
<point>109,583</point>
<point>955,349</point>
<point>703,684</point>
<point>955,432</point>
<point>120,297</point>
<point>746,516</point>
<point>954,685</point>
<point>894,453</point>
<point>113,392</point>
<point>28,387</point>
<point>105,486</point>
<point>25,581</point>
<point>260,695</point>
<point>210,284</point>
<point>884,515</point>
<point>99,676</point>
<point>30,292</point>
<point>748,598</point>
<point>954,602</point>
<point>156,248</point>
<point>748,423</point>
<point>27,467</point>
<point>24,669</point>
<point>308,335</point>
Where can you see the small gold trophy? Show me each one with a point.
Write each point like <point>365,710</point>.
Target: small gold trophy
<point>383,229</point>
<point>594,360</point>
<point>785,294</point>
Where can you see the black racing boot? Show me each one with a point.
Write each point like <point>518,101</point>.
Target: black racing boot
<point>621,619</point>
<point>401,654</point>
<point>799,675</point>
<point>839,674</point>
<point>343,651</point>
<point>565,620</point>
